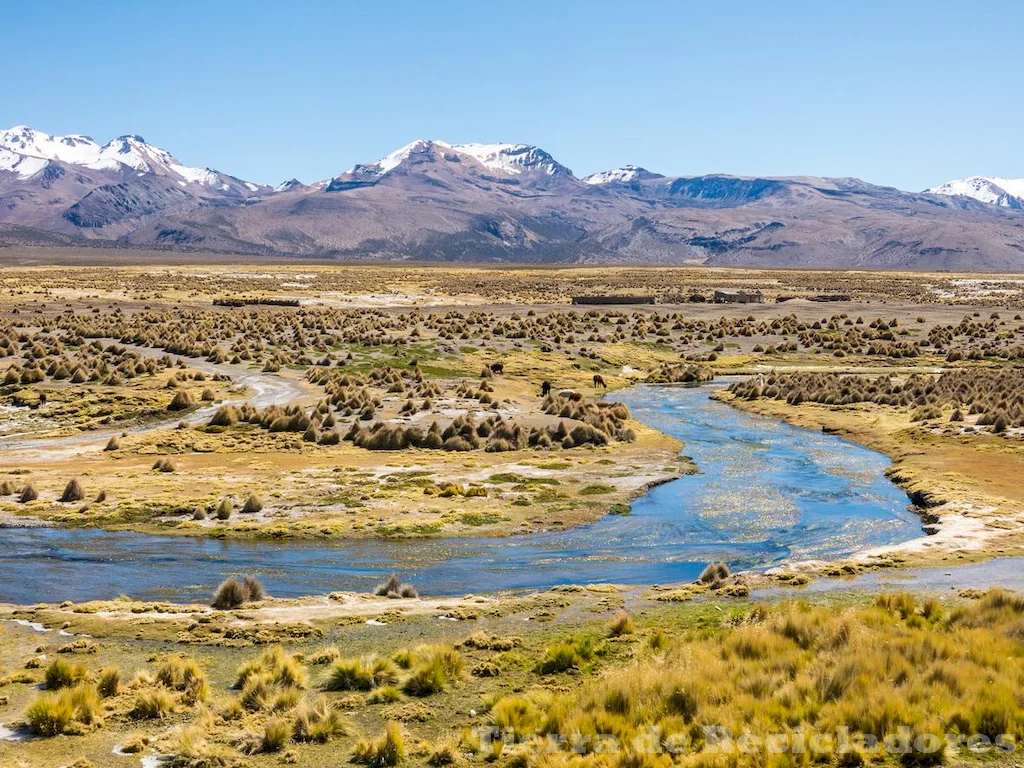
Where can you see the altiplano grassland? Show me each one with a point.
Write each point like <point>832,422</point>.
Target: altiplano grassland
<point>316,401</point>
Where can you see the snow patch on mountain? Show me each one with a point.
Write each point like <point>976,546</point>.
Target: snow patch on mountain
<point>25,167</point>
<point>623,175</point>
<point>1007,193</point>
<point>512,159</point>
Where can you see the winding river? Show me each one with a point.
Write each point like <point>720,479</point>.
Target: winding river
<point>766,492</point>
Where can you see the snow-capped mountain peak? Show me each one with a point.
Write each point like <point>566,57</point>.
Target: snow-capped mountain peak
<point>505,159</point>
<point>1007,193</point>
<point>622,175</point>
<point>288,186</point>
<point>22,140</point>
<point>27,152</point>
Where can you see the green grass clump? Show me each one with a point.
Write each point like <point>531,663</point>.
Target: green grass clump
<point>574,653</point>
<point>360,674</point>
<point>436,668</point>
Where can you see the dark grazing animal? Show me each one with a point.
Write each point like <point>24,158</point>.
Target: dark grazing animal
<point>599,381</point>
<point>497,367</point>
<point>545,388</point>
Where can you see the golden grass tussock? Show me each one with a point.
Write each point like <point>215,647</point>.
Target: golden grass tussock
<point>317,721</point>
<point>63,674</point>
<point>621,625</point>
<point>68,711</point>
<point>386,751</point>
<point>186,676</point>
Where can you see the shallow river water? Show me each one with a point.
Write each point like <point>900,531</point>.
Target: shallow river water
<point>766,492</point>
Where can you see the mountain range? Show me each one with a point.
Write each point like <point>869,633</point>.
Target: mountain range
<point>436,201</point>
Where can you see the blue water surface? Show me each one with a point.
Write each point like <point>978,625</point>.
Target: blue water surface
<point>766,492</point>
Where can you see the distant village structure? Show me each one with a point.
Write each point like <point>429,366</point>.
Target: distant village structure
<point>739,297</point>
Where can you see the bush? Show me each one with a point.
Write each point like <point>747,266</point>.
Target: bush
<point>714,573</point>
<point>233,593</point>
<point>193,750</point>
<point>253,589</point>
<point>271,682</point>
<point>184,675</point>
<point>386,694</point>
<point>252,505</point>
<point>388,750</point>
<point>226,416</point>
<point>394,588</point>
<point>224,509</point>
<point>165,465</point>
<point>73,491</point>
<point>426,679</point>
<point>323,656</point>
<point>443,754</point>
<point>28,493</point>
<point>182,400</point>
<point>257,692</point>
<point>230,594</point>
<point>50,715</point>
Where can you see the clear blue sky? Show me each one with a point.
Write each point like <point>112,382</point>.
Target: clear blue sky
<point>904,92</point>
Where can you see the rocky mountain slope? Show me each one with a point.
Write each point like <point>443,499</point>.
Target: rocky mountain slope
<point>436,201</point>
